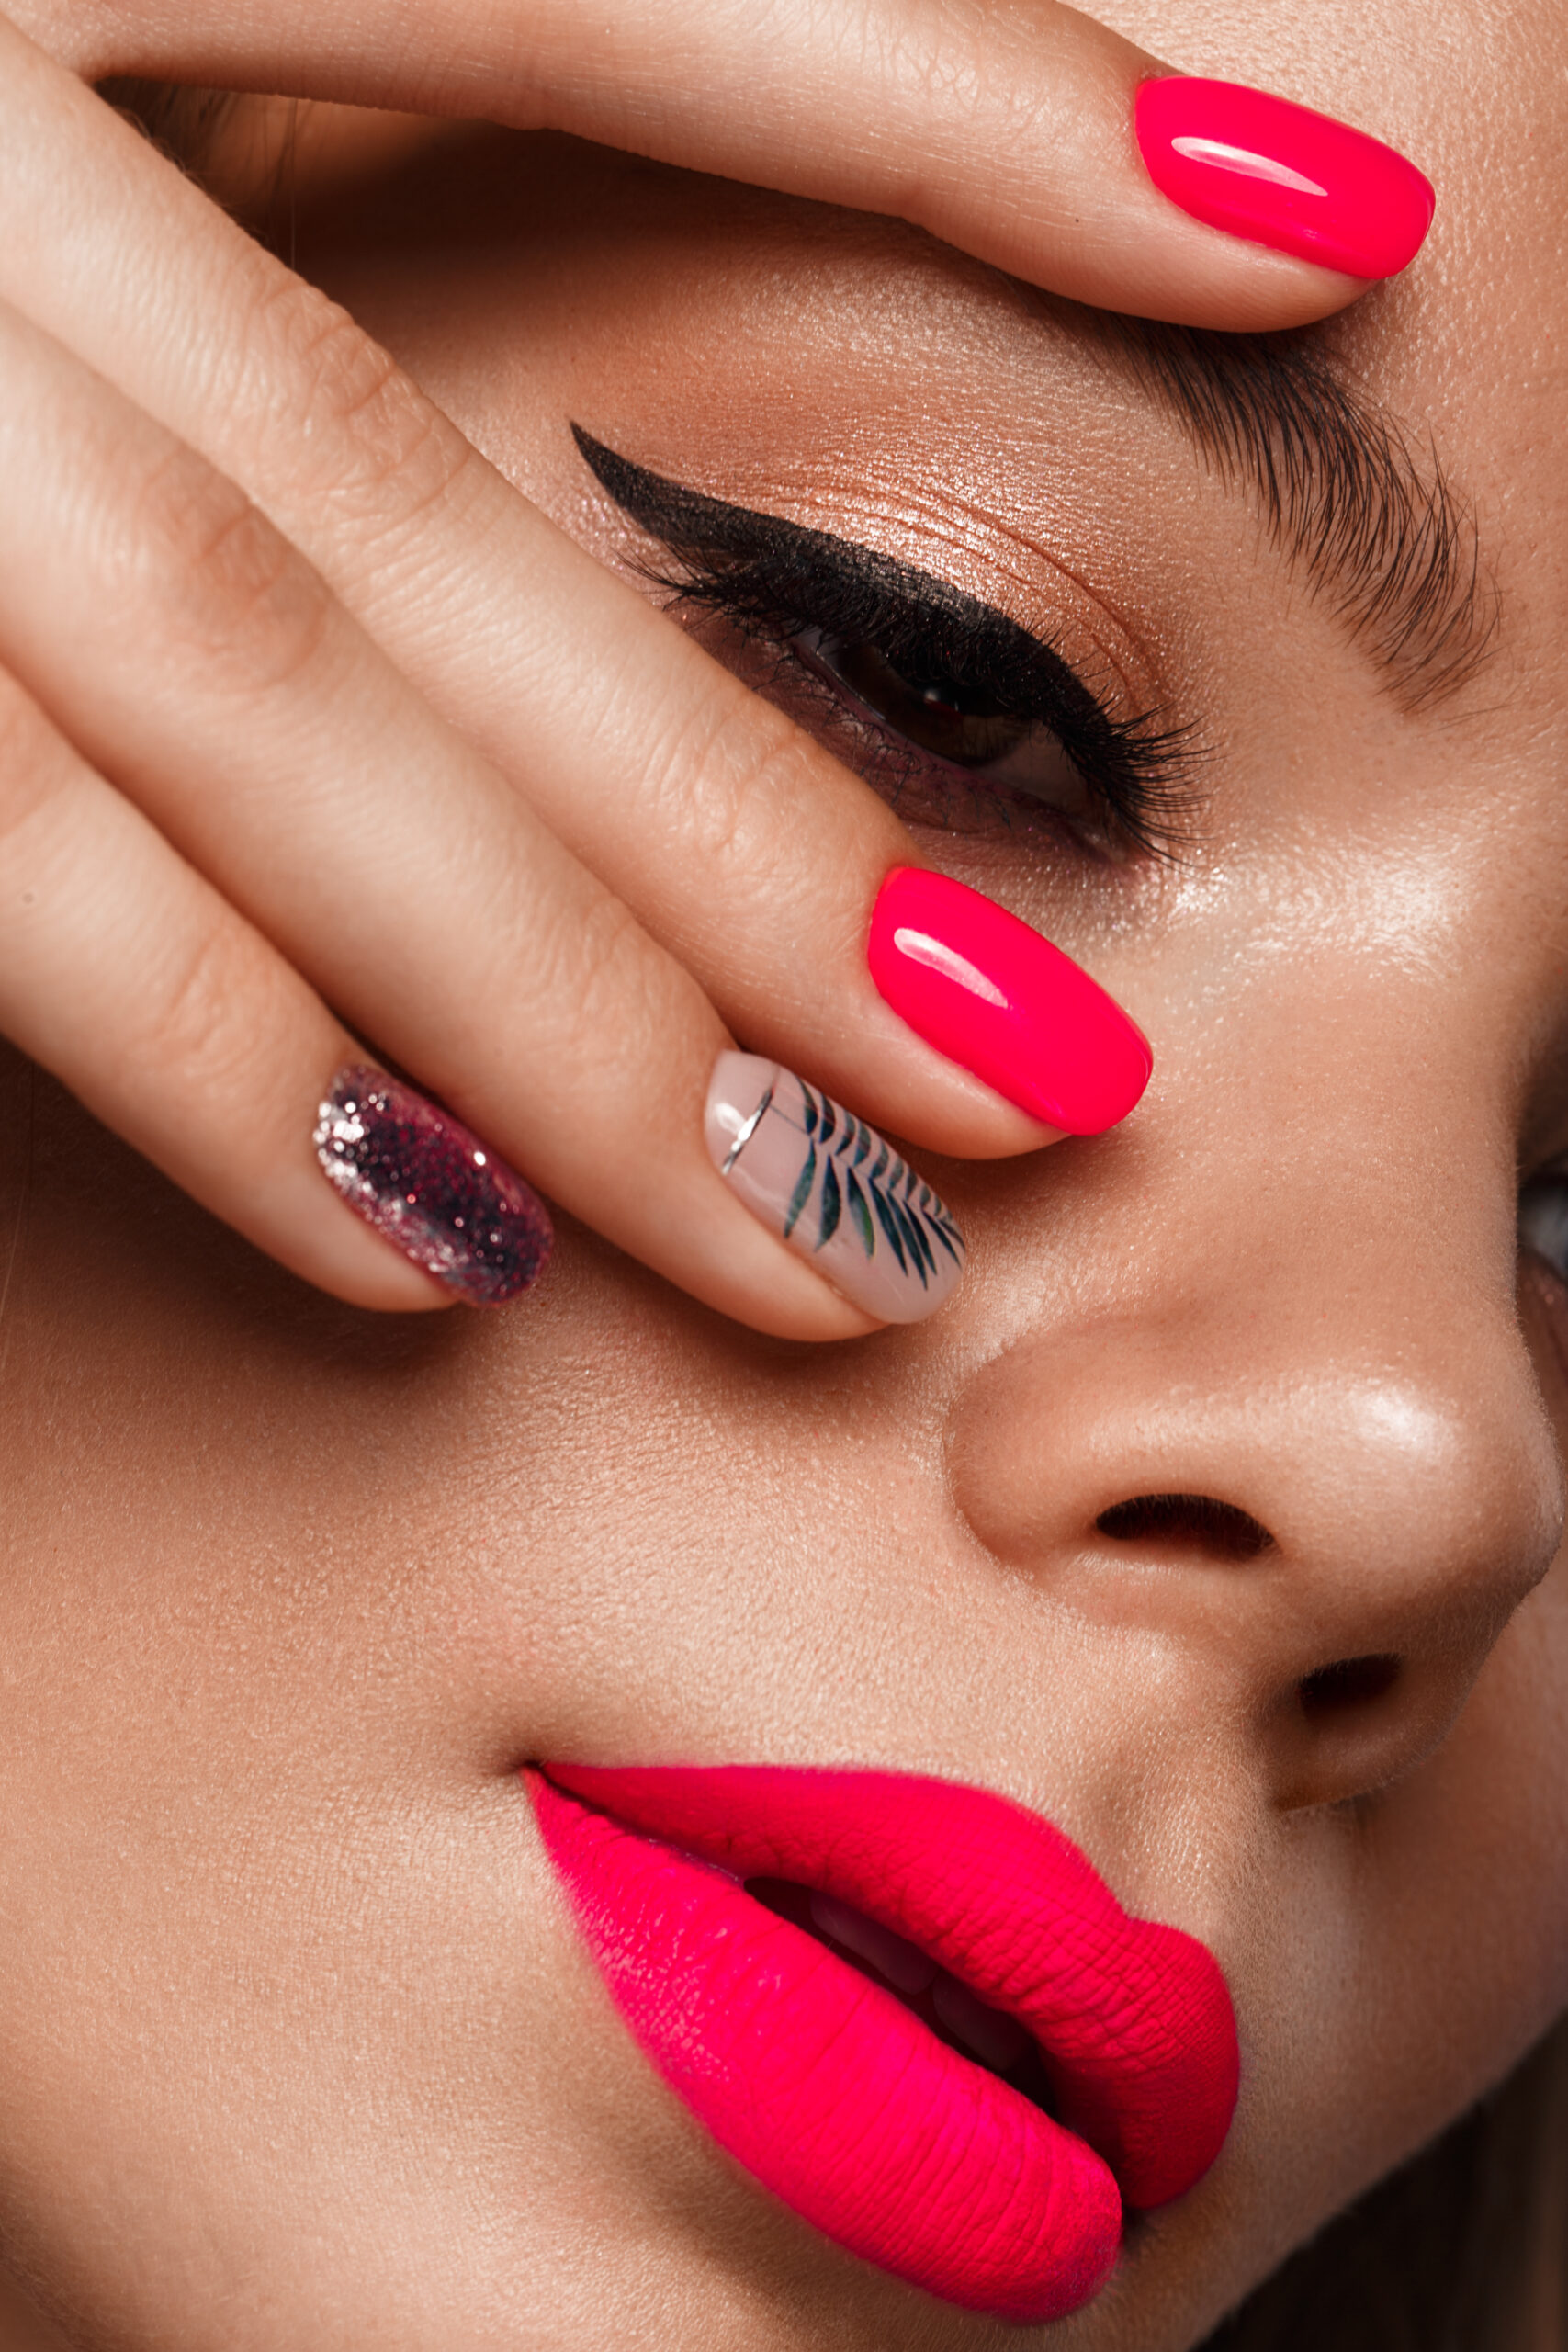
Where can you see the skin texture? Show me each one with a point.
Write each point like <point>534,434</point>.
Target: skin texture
<point>300,2044</point>
<point>1005,129</point>
<point>258,586</point>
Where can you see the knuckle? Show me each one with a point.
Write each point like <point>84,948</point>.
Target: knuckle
<point>591,962</point>
<point>229,589</point>
<point>932,52</point>
<point>202,1007</point>
<point>611,957</point>
<point>34,764</point>
<point>595,954</point>
<point>383,451</point>
<point>970,39</point>
<point>20,726</point>
<point>724,768</point>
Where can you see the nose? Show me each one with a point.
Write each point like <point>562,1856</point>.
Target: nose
<point>1292,1431</point>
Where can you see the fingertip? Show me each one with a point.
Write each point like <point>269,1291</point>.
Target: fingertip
<point>1264,170</point>
<point>401,1289</point>
<point>996,996</point>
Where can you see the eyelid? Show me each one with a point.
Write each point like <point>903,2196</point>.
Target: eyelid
<point>765,572</point>
<point>1134,778</point>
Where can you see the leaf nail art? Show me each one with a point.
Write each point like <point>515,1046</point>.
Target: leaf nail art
<point>833,1189</point>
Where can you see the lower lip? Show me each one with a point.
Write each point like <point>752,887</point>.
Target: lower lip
<point>828,2089</point>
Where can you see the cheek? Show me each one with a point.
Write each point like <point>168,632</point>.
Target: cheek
<point>286,1590</point>
<point>1416,1946</point>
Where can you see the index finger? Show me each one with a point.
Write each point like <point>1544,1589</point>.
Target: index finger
<point>1032,138</point>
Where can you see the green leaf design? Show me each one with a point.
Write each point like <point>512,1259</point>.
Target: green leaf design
<point>832,1205</point>
<point>914,1240</point>
<point>912,1211</point>
<point>935,1219</point>
<point>802,1191</point>
<point>949,1236</point>
<point>882,1204</point>
<point>860,1216</point>
<point>885,1199</point>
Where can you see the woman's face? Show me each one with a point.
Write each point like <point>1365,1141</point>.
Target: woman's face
<point>302,2046</point>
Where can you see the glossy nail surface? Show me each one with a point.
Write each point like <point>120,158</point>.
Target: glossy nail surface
<point>1241,159</point>
<point>429,1186</point>
<point>997,998</point>
<point>831,1188</point>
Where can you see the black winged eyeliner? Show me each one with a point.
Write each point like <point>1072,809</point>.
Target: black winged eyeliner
<point>787,579</point>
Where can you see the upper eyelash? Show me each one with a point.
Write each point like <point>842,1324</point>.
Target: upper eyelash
<point>784,579</point>
<point>1134,769</point>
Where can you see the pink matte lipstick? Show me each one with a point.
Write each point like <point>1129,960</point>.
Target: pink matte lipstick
<point>913,2010</point>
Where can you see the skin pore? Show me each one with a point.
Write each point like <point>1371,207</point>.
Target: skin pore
<point>301,2047</point>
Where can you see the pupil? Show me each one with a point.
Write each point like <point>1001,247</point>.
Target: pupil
<point>929,708</point>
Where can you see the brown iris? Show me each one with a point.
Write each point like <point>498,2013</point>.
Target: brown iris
<point>954,722</point>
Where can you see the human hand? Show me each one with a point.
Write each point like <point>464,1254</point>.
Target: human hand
<point>1027,135</point>
<point>275,748</point>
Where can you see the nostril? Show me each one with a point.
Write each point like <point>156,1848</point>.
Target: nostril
<point>1348,1684</point>
<point>1194,1521</point>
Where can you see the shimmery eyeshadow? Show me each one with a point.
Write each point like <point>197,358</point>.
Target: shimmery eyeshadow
<point>427,1183</point>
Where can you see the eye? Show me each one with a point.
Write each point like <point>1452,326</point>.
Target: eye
<point>919,665</point>
<point>1543,1221</point>
<point>951,719</point>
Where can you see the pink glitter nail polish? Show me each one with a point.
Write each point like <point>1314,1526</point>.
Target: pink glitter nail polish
<point>429,1186</point>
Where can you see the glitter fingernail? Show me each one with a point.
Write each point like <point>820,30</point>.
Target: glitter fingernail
<point>833,1189</point>
<point>429,1187</point>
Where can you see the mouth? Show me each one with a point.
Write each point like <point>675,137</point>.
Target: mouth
<point>913,2011</point>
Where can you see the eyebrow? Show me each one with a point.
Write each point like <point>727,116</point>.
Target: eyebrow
<point>1372,517</point>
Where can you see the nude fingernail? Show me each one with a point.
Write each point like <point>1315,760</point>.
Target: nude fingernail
<point>428,1185</point>
<point>831,1188</point>
<point>1279,174</point>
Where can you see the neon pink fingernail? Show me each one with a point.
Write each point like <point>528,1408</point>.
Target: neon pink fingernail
<point>1281,176</point>
<point>996,998</point>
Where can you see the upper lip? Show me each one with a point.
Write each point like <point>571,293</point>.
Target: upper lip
<point>1133,2018</point>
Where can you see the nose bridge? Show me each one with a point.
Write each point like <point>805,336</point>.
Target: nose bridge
<point>1320,1339</point>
